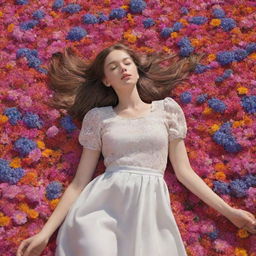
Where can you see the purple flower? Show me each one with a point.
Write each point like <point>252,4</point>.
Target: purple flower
<point>102,17</point>
<point>72,8</point>
<point>89,19</point>
<point>57,4</point>
<point>227,24</point>
<point>240,54</point>
<point>177,26</point>
<point>202,98</point>
<point>21,2</point>
<point>148,23</point>
<point>76,34</point>
<point>225,57</point>
<point>250,180</point>
<point>137,6</point>
<point>184,10</point>
<point>67,124</point>
<point>32,120</point>
<point>53,190</point>
<point>218,13</point>
<point>13,114</point>
<point>27,25</point>
<point>250,48</point>
<point>199,69</point>
<point>249,104</point>
<point>186,97</point>
<point>198,20</point>
<point>24,146</point>
<point>8,174</point>
<point>166,32</point>
<point>221,187</point>
<point>238,188</point>
<point>117,13</point>
<point>38,14</point>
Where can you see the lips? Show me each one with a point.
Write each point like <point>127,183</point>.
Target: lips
<point>125,75</point>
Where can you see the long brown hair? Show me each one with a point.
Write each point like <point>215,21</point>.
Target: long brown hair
<point>77,86</point>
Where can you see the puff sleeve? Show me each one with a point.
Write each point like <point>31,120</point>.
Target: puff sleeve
<point>175,119</point>
<point>90,133</point>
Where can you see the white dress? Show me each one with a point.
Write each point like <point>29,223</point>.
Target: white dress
<point>126,211</point>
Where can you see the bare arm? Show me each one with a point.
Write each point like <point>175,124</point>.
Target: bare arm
<point>187,176</point>
<point>85,170</point>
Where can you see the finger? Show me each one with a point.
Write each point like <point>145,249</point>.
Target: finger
<point>22,247</point>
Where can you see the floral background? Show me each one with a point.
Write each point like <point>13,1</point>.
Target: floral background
<point>39,148</point>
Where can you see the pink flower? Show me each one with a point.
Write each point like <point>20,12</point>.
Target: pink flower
<point>19,217</point>
<point>52,131</point>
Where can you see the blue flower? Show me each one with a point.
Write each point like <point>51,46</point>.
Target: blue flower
<point>177,26</point>
<point>53,190</point>
<point>249,104</point>
<point>240,54</point>
<point>166,32</point>
<point>225,57</point>
<point>89,19</point>
<point>58,4</point>
<point>32,120</point>
<point>218,13</point>
<point>227,24</point>
<point>33,61</point>
<point>224,138</point>
<point>13,114</point>
<point>186,51</point>
<point>102,17</point>
<point>38,14</point>
<point>199,69</point>
<point>213,235</point>
<point>221,187</point>
<point>24,146</point>
<point>198,20</point>
<point>186,97</point>
<point>76,34</point>
<point>202,98</point>
<point>250,180</point>
<point>238,188</point>
<point>21,2</point>
<point>26,25</point>
<point>250,48</point>
<point>184,10</point>
<point>148,23</point>
<point>184,41</point>
<point>67,124</point>
<point>117,13</point>
<point>137,6</point>
<point>72,8</point>
<point>8,174</point>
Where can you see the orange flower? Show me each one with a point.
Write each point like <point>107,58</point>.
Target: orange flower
<point>215,22</point>
<point>240,252</point>
<point>220,175</point>
<point>242,233</point>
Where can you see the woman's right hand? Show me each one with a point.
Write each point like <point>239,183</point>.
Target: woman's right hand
<point>33,246</point>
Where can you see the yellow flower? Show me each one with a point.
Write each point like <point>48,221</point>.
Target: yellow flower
<point>40,144</point>
<point>242,90</point>
<point>47,152</point>
<point>125,7</point>
<point>54,203</point>
<point>3,119</point>
<point>130,37</point>
<point>215,22</point>
<point>174,35</point>
<point>242,233</point>
<point>32,214</point>
<point>211,57</point>
<point>220,175</point>
<point>252,56</point>
<point>10,27</point>
<point>4,221</point>
<point>15,163</point>
<point>240,252</point>
<point>214,128</point>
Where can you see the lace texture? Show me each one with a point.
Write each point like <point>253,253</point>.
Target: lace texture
<point>175,118</point>
<point>90,133</point>
<point>142,141</point>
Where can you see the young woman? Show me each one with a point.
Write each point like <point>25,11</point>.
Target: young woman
<point>122,98</point>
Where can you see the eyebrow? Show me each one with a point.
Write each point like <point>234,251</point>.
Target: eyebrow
<point>115,61</point>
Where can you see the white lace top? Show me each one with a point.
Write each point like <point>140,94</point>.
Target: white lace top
<point>140,141</point>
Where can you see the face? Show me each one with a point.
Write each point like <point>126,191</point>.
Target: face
<point>118,63</point>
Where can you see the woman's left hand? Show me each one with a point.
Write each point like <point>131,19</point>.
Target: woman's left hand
<point>243,219</point>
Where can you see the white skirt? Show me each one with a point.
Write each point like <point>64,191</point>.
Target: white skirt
<point>125,211</point>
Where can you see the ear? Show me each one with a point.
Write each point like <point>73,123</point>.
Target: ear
<point>105,82</point>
